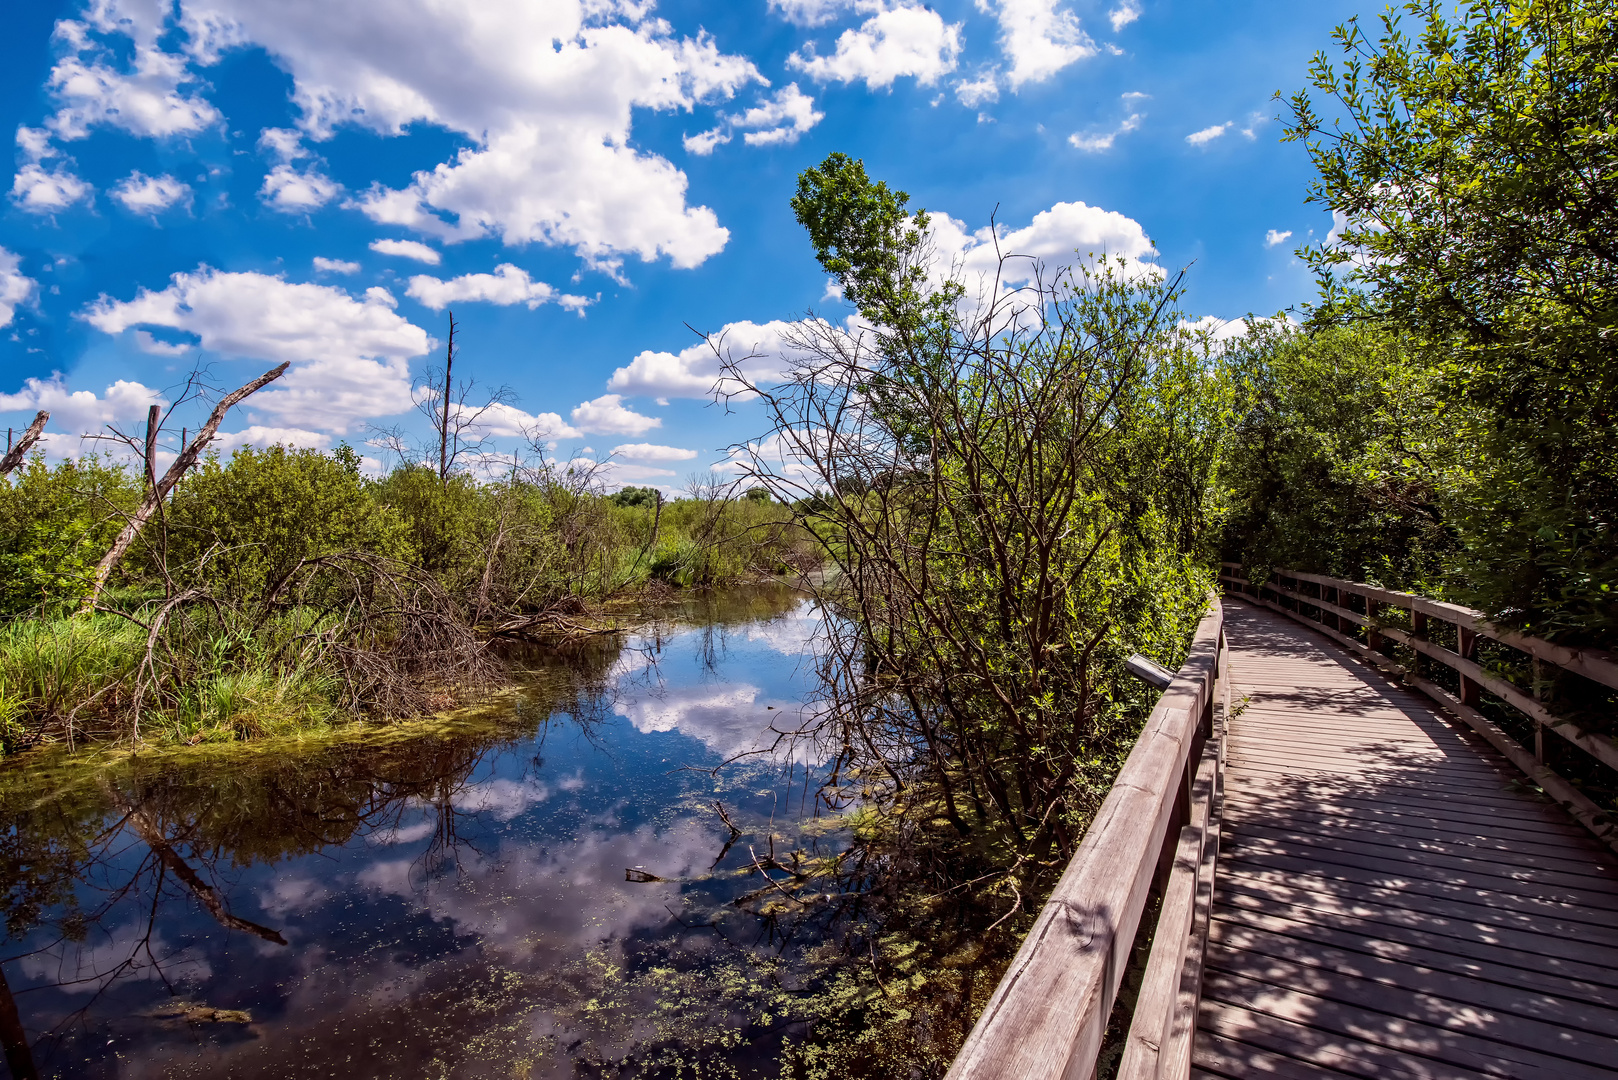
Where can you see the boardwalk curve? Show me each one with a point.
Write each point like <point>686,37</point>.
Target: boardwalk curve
<point>1391,899</point>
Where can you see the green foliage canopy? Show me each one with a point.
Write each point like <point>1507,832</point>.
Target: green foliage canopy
<point>1474,169</point>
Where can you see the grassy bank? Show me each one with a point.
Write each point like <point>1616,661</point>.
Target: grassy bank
<point>282,590</point>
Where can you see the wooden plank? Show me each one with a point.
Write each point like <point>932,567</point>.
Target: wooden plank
<point>1046,1018</point>
<point>1503,800</point>
<point>1301,1042</point>
<point>1412,831</point>
<point>1427,838</point>
<point>1562,1021</point>
<point>1593,890</point>
<point>1572,958</point>
<point>1391,769</point>
<point>1572,940</point>
<point>1601,824</point>
<point>1222,1057</point>
<point>1604,748</point>
<point>1327,870</point>
<point>1531,814</point>
<point>1369,1025</point>
<point>1594,664</point>
<point>1179,1048</point>
<point>1508,834</point>
<point>1485,966</point>
<point>1152,1027</point>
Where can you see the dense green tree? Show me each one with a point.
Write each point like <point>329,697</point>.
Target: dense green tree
<point>1473,166</point>
<point>1346,458</point>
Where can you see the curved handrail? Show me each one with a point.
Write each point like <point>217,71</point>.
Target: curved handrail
<point>1337,620</point>
<point>1047,1017</point>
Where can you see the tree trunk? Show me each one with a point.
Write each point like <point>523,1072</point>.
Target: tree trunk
<point>443,427</point>
<point>15,454</point>
<point>159,491</point>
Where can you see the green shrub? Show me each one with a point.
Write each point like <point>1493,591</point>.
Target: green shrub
<point>55,524</point>
<point>242,528</point>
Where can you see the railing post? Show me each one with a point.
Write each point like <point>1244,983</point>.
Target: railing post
<point>1418,630</point>
<point>1539,695</point>
<point>1466,644</point>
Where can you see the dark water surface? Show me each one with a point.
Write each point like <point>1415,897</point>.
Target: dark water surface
<point>448,901</point>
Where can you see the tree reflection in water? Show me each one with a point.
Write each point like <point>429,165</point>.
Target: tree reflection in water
<point>448,900</point>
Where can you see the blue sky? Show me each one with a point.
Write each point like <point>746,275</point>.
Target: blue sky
<point>235,183</point>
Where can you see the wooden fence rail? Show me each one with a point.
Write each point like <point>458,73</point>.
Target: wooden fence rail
<point>1330,612</point>
<point>1159,827</point>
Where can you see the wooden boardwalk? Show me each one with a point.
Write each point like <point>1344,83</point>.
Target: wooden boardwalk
<point>1391,900</point>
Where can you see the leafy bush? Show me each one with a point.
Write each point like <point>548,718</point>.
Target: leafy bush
<point>635,496</point>
<point>243,528</point>
<point>55,524</point>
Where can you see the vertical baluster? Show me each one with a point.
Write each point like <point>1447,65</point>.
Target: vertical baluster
<point>1540,694</point>
<point>1418,629</point>
<point>1466,644</point>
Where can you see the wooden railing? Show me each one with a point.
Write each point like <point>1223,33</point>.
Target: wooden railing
<point>1330,612</point>
<point>1159,827</point>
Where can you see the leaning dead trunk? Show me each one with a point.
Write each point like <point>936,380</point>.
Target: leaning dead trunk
<point>16,453</point>
<point>160,490</point>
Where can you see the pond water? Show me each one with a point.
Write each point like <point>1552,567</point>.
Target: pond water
<point>449,901</point>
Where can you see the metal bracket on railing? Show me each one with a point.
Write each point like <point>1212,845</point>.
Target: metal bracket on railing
<point>1148,672</point>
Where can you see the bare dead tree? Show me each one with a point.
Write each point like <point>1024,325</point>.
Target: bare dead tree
<point>159,490</point>
<point>458,412</point>
<point>15,454</point>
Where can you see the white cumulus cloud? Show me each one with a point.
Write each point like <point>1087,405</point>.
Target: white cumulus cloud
<point>506,286</point>
<point>16,288</point>
<point>81,411</point>
<point>981,90</point>
<point>780,118</point>
<point>545,93</point>
<point>350,354</point>
<point>287,187</point>
<point>293,192</point>
<point>1275,237</point>
<point>1096,142</point>
<point>408,249</point>
<point>40,192</point>
<point>335,266</point>
<point>1124,14</point>
<point>258,435</point>
<point>819,12</point>
<point>694,372</point>
<point>1039,38</point>
<point>142,194</point>
<point>145,96</point>
<point>907,40</point>
<point>652,452</point>
<point>1207,134</point>
<point>1066,235</point>
<point>608,415</point>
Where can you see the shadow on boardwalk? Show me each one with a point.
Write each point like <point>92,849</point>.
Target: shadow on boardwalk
<point>1393,900</point>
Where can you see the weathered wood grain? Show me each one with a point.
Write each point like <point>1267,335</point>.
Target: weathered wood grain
<point>1047,1017</point>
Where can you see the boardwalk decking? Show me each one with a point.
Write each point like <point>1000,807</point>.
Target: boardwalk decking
<point>1391,901</point>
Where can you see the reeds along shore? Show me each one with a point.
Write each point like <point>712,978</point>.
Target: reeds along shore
<point>281,590</point>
